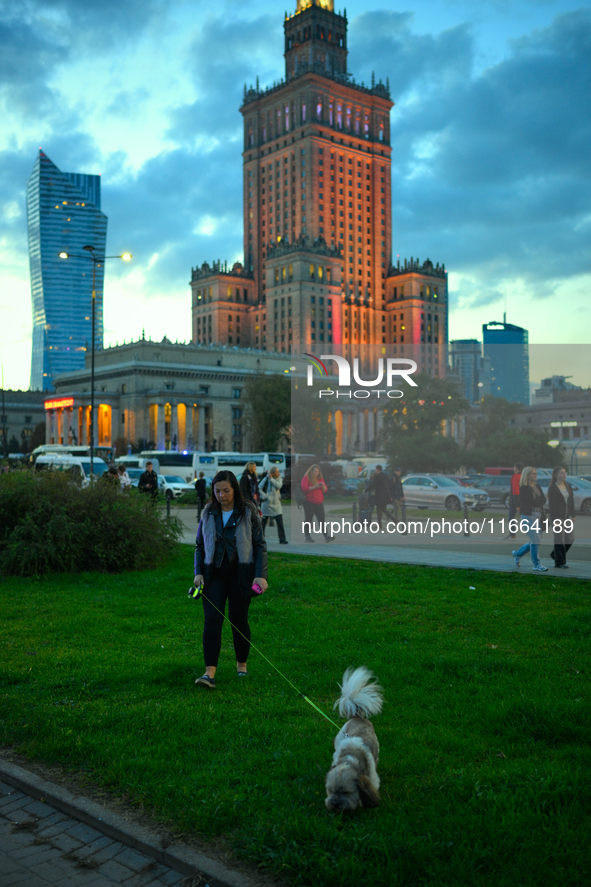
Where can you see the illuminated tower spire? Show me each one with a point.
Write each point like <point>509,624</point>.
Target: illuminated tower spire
<point>315,40</point>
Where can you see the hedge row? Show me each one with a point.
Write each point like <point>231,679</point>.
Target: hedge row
<point>49,523</point>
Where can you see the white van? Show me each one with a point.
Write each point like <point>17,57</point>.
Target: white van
<point>370,466</point>
<point>75,466</point>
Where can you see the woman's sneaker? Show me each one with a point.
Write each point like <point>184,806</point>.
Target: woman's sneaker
<point>540,569</point>
<point>515,558</point>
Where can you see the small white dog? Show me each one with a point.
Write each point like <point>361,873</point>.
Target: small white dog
<point>352,780</point>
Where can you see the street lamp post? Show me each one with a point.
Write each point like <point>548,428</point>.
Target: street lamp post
<point>96,261</point>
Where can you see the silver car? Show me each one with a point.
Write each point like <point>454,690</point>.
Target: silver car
<point>581,492</point>
<point>438,491</point>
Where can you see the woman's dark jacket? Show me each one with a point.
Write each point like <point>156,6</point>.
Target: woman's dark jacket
<point>379,486</point>
<point>249,485</point>
<point>233,544</point>
<point>559,508</point>
<point>530,499</point>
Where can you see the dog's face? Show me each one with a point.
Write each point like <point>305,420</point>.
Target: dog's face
<point>346,789</point>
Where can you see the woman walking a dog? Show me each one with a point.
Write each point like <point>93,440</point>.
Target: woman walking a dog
<point>230,557</point>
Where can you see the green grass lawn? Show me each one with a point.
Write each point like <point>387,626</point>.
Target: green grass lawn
<point>485,756</point>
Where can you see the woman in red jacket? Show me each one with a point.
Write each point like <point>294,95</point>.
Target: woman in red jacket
<point>314,488</point>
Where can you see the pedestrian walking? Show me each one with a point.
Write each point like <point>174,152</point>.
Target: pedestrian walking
<point>111,477</point>
<point>270,493</point>
<point>314,489</point>
<point>531,504</point>
<point>148,483</point>
<point>397,493</point>
<point>514,495</point>
<point>379,489</point>
<point>249,485</point>
<point>124,478</point>
<point>201,490</point>
<point>562,508</point>
<point>230,556</point>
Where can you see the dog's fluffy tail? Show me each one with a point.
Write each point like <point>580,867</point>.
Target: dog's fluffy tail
<point>361,696</point>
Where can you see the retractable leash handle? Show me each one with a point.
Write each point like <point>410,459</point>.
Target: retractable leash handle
<point>196,591</point>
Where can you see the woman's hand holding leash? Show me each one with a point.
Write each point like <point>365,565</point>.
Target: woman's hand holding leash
<point>262,583</point>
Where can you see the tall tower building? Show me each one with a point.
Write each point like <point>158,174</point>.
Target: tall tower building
<point>63,213</point>
<point>472,368</point>
<point>506,345</point>
<point>318,214</point>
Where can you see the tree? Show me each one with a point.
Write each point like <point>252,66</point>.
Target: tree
<point>425,452</point>
<point>411,431</point>
<point>121,446</point>
<point>267,411</point>
<point>508,446</point>
<point>312,428</point>
<point>490,416</point>
<point>424,408</point>
<point>38,436</point>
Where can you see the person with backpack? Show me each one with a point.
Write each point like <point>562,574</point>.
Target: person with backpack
<point>270,493</point>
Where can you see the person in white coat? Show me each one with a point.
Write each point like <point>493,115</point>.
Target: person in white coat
<point>270,492</point>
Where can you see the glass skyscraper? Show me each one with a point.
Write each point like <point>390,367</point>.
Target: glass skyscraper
<point>63,214</point>
<point>507,347</point>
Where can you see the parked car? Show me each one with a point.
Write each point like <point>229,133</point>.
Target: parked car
<point>134,475</point>
<point>498,487</point>
<point>173,487</point>
<point>581,492</point>
<point>439,491</point>
<point>351,486</point>
<point>461,480</point>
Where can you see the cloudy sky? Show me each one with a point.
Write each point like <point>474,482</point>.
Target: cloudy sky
<point>491,136</point>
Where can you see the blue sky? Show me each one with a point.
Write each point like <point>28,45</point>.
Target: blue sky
<point>491,136</point>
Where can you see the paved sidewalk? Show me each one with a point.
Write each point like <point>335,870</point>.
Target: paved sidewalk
<point>52,838</point>
<point>446,552</point>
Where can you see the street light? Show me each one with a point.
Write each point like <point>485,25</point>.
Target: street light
<point>96,261</point>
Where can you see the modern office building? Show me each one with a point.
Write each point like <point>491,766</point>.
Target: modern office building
<point>317,201</point>
<point>63,214</point>
<point>507,347</point>
<point>467,362</point>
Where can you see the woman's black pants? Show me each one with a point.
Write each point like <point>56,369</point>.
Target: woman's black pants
<point>222,587</point>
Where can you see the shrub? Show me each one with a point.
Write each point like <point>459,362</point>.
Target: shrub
<point>49,523</point>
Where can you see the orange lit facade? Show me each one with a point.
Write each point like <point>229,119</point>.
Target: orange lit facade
<point>317,178</point>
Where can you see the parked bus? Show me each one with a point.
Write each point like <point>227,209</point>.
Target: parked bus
<point>211,463</point>
<point>169,462</point>
<point>190,465</point>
